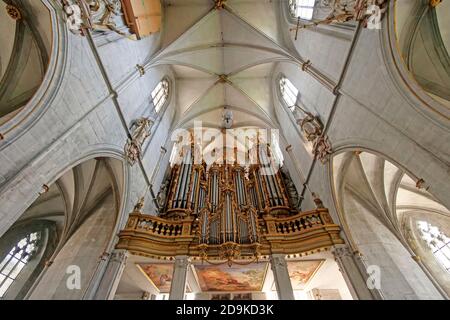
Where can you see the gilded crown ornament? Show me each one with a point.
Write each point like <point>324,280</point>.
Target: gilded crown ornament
<point>14,12</point>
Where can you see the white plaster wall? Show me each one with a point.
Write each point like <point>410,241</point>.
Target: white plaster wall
<point>121,56</point>
<point>328,277</point>
<point>326,50</point>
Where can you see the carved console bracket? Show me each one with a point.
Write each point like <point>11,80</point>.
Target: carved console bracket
<point>435,3</point>
<point>311,126</point>
<point>141,70</point>
<point>322,149</point>
<point>77,17</point>
<point>219,4</point>
<point>14,12</point>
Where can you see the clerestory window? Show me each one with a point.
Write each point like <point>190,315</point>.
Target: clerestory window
<point>302,8</point>
<point>289,93</point>
<point>160,94</point>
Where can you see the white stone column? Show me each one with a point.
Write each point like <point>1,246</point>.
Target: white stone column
<point>281,277</point>
<point>180,269</point>
<point>113,273</point>
<point>353,271</point>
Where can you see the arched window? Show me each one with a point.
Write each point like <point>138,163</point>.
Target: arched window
<point>437,241</point>
<point>16,260</point>
<point>302,8</point>
<point>289,93</point>
<point>160,94</point>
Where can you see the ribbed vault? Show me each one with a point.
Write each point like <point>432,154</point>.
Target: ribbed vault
<point>76,195</point>
<point>380,205</point>
<point>386,188</point>
<point>24,54</point>
<point>223,57</point>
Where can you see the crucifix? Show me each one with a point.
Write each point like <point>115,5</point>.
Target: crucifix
<point>303,26</point>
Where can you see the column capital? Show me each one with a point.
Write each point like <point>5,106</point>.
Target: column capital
<point>182,261</point>
<point>341,250</point>
<point>278,260</point>
<point>109,282</point>
<point>120,256</point>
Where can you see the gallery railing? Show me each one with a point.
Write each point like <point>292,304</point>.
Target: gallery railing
<point>157,237</point>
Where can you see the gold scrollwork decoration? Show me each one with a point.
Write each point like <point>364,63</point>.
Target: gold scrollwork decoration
<point>14,12</point>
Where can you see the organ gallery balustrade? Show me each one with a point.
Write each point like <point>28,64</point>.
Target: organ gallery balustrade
<point>156,237</point>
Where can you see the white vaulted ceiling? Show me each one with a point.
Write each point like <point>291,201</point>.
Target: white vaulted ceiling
<point>223,58</point>
<point>24,55</point>
<point>77,194</point>
<point>384,187</point>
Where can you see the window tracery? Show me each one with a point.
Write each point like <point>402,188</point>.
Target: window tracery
<point>303,9</point>
<point>16,260</point>
<point>160,94</point>
<point>438,243</point>
<point>289,93</point>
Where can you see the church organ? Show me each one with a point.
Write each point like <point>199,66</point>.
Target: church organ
<point>194,186</point>
<point>226,211</point>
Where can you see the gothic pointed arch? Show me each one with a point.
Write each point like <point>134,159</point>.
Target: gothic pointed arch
<point>71,222</point>
<point>32,60</point>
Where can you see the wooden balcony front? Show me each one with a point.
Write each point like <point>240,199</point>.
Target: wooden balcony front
<point>304,232</point>
<point>156,237</point>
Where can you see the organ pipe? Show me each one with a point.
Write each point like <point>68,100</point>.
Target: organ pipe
<point>226,198</point>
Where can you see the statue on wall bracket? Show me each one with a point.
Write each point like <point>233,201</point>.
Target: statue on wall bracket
<point>92,15</point>
<point>313,131</point>
<point>369,12</point>
<point>140,132</point>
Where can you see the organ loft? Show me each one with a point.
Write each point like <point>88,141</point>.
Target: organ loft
<point>227,212</point>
